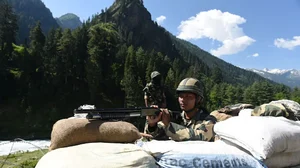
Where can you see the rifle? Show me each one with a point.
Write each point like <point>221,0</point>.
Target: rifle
<point>119,113</point>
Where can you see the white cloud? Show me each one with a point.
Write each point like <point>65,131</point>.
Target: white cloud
<point>233,46</point>
<point>217,25</point>
<point>286,43</point>
<point>255,55</point>
<point>160,19</point>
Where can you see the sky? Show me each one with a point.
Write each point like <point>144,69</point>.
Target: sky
<point>246,33</point>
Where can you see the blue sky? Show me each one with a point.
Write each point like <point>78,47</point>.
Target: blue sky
<point>246,33</point>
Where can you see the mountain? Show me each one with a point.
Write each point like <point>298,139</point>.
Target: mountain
<point>136,27</point>
<point>29,12</point>
<point>289,77</point>
<point>69,20</point>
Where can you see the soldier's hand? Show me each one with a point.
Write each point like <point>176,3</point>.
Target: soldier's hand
<point>146,135</point>
<point>153,120</point>
<point>166,118</point>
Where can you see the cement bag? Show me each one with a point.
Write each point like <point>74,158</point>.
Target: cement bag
<point>263,137</point>
<point>199,154</point>
<point>283,160</point>
<point>94,155</point>
<point>68,132</point>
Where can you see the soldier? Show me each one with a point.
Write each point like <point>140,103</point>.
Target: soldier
<point>195,122</point>
<point>154,92</point>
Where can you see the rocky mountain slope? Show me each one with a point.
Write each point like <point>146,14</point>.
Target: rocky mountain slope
<point>69,20</point>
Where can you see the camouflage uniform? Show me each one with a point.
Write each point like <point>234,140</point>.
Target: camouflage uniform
<point>155,94</point>
<point>275,109</point>
<point>200,127</point>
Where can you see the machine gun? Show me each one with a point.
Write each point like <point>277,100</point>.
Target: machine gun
<point>120,113</point>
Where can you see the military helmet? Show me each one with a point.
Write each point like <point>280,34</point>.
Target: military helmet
<point>154,74</point>
<point>190,85</point>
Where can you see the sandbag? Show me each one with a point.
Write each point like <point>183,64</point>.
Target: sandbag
<point>229,111</point>
<point>275,110</point>
<point>283,160</point>
<point>291,105</point>
<point>68,132</point>
<point>94,155</point>
<point>220,116</point>
<point>234,109</point>
<point>199,154</point>
<point>245,113</point>
<point>263,137</point>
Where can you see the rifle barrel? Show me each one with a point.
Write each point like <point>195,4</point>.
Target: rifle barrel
<point>114,113</point>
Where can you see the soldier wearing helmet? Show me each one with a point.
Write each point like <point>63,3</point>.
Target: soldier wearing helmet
<point>195,122</point>
<point>154,92</point>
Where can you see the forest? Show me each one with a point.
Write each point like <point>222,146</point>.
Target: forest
<point>106,64</point>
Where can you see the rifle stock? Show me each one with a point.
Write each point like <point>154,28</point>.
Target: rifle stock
<point>119,113</point>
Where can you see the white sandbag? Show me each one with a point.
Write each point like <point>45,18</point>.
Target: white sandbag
<point>245,113</point>
<point>283,160</point>
<point>199,154</point>
<point>92,155</point>
<point>262,136</point>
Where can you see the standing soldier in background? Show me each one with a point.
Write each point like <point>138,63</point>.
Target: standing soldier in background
<point>154,92</point>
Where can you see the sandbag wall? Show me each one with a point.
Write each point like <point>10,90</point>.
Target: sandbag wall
<point>272,140</point>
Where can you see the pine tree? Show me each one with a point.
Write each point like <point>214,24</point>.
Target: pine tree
<point>130,86</point>
<point>101,48</point>
<point>141,63</point>
<point>50,52</point>
<point>66,52</point>
<point>295,95</point>
<point>8,31</point>
<point>81,51</point>
<point>217,76</point>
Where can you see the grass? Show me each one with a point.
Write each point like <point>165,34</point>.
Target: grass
<point>22,159</point>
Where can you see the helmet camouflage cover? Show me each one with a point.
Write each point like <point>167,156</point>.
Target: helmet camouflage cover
<point>190,85</point>
<point>154,74</point>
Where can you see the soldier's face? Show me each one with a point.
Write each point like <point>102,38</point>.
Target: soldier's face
<point>186,100</point>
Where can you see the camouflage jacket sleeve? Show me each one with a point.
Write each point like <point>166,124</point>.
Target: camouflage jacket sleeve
<point>202,130</point>
<point>195,130</point>
<point>158,132</point>
<point>145,90</point>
